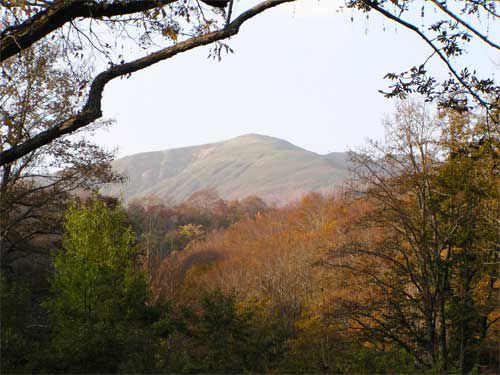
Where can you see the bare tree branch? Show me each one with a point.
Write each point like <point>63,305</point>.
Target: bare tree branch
<point>16,38</point>
<point>465,24</point>
<point>373,4</point>
<point>91,111</point>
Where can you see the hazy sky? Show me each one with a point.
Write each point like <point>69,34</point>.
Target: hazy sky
<point>304,73</point>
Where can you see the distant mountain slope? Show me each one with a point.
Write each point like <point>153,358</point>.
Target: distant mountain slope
<point>271,168</point>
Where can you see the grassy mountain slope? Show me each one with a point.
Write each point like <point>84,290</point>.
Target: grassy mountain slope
<point>251,164</point>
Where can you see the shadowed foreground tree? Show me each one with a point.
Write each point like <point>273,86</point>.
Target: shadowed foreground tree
<point>35,190</point>
<point>168,27</point>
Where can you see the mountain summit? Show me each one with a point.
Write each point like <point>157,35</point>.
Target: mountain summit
<point>252,164</point>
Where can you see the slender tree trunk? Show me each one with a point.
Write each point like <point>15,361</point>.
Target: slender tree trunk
<point>431,339</point>
<point>443,293</point>
<point>443,336</point>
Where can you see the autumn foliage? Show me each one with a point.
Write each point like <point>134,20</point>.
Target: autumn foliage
<point>395,273</point>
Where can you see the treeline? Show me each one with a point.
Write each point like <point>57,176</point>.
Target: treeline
<point>396,274</point>
<point>163,229</point>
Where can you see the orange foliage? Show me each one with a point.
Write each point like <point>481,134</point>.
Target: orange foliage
<point>274,260</point>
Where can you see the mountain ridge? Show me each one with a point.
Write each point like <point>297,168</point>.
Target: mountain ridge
<point>251,164</point>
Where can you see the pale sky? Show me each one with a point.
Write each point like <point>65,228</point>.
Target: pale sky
<point>304,73</point>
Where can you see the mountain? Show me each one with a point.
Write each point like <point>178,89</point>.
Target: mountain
<point>252,164</point>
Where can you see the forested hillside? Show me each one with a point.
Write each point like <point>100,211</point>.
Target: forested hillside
<point>250,255</point>
<point>395,273</point>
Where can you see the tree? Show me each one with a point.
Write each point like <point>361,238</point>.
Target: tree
<point>35,189</point>
<point>425,248</point>
<point>219,335</point>
<point>36,91</point>
<point>153,23</point>
<point>469,185</point>
<point>17,343</point>
<point>98,306</point>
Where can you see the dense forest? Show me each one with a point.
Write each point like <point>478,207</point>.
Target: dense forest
<point>398,273</point>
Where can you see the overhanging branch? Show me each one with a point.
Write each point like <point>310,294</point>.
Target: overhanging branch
<point>16,38</point>
<point>469,27</point>
<point>91,111</point>
<point>375,5</point>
